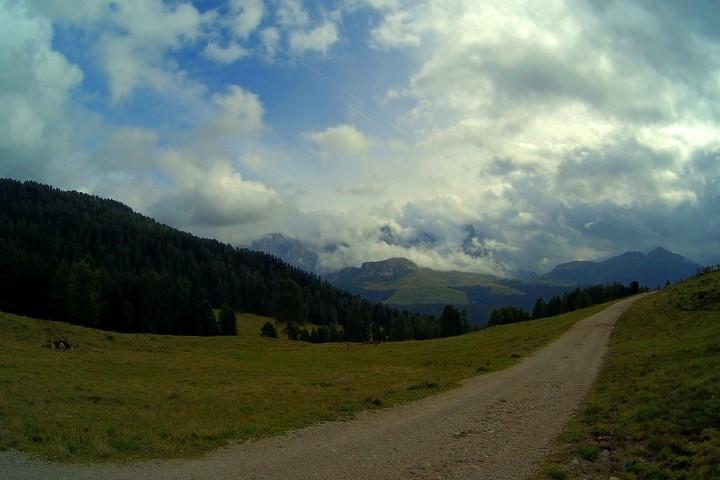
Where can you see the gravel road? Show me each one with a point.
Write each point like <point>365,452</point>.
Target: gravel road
<point>495,426</point>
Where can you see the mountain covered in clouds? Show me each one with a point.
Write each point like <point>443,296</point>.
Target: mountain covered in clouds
<point>288,249</point>
<point>400,282</point>
<point>652,269</point>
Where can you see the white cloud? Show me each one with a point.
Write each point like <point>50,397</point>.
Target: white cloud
<point>396,31</point>
<point>375,4</point>
<point>247,16</point>
<point>533,134</point>
<point>128,149</point>
<point>35,90</point>
<point>340,140</point>
<point>136,38</point>
<point>225,55</point>
<point>213,196</point>
<point>241,113</point>
<point>291,13</point>
<point>154,22</point>
<point>317,39</point>
<point>362,190</point>
<point>270,38</point>
<point>195,185</point>
<point>253,161</point>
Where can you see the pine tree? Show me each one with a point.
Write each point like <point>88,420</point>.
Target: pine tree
<point>450,322</point>
<point>540,308</point>
<point>268,330</point>
<point>287,302</point>
<point>226,320</point>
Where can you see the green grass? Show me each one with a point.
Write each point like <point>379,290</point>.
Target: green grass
<point>654,412</point>
<point>430,286</point>
<point>123,396</point>
<point>435,294</point>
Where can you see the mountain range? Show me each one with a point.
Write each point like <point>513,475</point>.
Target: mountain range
<point>400,282</point>
<point>653,269</point>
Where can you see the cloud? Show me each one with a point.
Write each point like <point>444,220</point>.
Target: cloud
<point>35,94</point>
<point>230,30</point>
<point>196,185</point>
<point>362,190</point>
<point>225,55</point>
<point>340,140</point>
<point>396,31</point>
<point>135,39</point>
<point>128,149</point>
<point>531,135</point>
<point>247,15</point>
<point>319,39</point>
<point>623,172</point>
<point>217,196</point>
<point>270,38</point>
<point>240,113</point>
<point>291,13</point>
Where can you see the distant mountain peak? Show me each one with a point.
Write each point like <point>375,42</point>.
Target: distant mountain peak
<point>661,252</point>
<point>394,261</point>
<point>392,267</point>
<point>629,255</point>
<point>652,269</point>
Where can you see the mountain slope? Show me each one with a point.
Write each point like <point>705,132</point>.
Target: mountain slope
<point>653,269</point>
<point>92,261</point>
<point>403,282</point>
<point>398,281</point>
<point>654,410</point>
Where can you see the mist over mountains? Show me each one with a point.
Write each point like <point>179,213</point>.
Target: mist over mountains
<point>288,249</point>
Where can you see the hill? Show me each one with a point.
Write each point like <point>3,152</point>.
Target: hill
<point>83,259</point>
<point>120,396</point>
<point>654,269</point>
<point>654,411</point>
<point>402,283</point>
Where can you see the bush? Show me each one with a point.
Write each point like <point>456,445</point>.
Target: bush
<point>268,330</point>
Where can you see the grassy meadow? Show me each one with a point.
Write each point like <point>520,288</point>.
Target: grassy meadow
<point>654,412</point>
<point>133,396</point>
<point>429,286</point>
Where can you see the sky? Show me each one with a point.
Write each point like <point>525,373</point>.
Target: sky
<point>462,134</point>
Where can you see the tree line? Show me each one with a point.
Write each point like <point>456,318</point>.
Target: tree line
<point>568,302</point>
<point>90,261</point>
<point>366,321</point>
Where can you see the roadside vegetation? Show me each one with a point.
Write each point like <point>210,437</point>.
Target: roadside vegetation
<point>567,302</point>
<point>97,395</point>
<point>654,412</point>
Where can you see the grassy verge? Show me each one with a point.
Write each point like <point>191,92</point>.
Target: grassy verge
<point>121,396</point>
<point>654,412</point>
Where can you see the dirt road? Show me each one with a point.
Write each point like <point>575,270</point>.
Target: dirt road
<point>495,426</point>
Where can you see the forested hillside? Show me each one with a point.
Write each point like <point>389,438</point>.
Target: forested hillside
<point>82,259</point>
